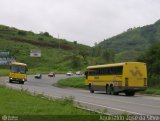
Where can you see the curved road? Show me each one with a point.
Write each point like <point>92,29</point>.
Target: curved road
<point>140,105</point>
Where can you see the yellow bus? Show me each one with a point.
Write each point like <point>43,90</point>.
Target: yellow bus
<point>127,77</point>
<point>18,72</point>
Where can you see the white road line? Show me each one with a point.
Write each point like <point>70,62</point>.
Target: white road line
<point>128,102</point>
<point>153,98</point>
<point>122,110</point>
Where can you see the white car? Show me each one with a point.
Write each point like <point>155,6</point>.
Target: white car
<point>78,73</point>
<point>38,76</point>
<point>69,73</point>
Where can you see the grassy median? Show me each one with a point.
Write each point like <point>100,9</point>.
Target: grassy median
<point>4,72</point>
<point>76,82</point>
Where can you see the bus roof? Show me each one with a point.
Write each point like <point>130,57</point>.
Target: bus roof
<point>112,65</point>
<point>17,63</point>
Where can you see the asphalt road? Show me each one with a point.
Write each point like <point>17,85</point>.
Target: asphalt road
<point>140,105</point>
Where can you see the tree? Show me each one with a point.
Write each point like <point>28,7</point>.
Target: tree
<point>96,51</point>
<point>76,61</point>
<point>84,54</point>
<point>152,59</point>
<point>45,34</point>
<point>75,42</point>
<point>108,55</point>
<point>20,32</point>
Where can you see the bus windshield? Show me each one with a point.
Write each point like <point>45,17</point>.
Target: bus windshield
<point>18,69</point>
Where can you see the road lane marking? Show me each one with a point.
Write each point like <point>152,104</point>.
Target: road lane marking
<point>122,110</point>
<point>115,100</point>
<point>84,102</point>
<point>153,98</point>
<point>146,105</point>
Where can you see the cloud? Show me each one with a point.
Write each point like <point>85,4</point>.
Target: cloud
<point>84,21</point>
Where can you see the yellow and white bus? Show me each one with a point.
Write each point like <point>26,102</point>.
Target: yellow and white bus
<point>127,77</point>
<point>18,72</point>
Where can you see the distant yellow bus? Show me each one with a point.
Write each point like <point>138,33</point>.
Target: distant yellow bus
<point>127,77</point>
<point>18,72</point>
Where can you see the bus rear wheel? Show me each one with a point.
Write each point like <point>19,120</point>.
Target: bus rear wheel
<point>107,89</point>
<point>112,90</point>
<point>90,89</point>
<point>130,93</point>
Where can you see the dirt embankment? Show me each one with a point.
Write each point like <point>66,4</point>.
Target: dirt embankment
<point>51,44</point>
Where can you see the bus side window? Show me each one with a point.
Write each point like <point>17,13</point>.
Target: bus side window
<point>110,71</point>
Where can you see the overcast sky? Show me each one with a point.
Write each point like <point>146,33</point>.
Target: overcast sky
<point>84,21</point>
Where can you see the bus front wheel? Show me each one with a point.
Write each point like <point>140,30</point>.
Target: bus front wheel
<point>10,81</point>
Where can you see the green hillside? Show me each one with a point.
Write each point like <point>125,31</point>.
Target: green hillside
<point>58,55</point>
<point>61,55</point>
<point>130,44</point>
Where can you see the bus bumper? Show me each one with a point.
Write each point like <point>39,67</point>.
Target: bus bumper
<point>17,79</point>
<point>136,89</point>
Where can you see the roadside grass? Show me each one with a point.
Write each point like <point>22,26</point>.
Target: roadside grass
<point>152,91</point>
<point>76,82</point>
<point>4,72</point>
<point>15,102</point>
<point>27,107</point>
<point>20,103</point>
